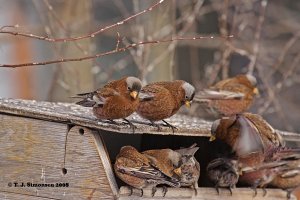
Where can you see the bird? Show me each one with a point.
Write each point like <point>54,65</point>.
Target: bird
<point>260,151</point>
<point>288,170</point>
<point>223,172</point>
<point>164,99</point>
<point>140,170</point>
<point>230,96</point>
<point>281,169</point>
<point>246,133</point>
<point>180,162</point>
<point>189,168</point>
<point>117,99</point>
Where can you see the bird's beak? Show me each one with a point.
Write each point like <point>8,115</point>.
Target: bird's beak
<point>134,94</point>
<point>255,91</point>
<point>177,171</point>
<point>212,138</point>
<point>187,104</point>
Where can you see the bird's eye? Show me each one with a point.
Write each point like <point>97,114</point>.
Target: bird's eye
<point>128,88</point>
<point>186,97</point>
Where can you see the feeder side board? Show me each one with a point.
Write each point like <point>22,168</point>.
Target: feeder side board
<point>32,151</point>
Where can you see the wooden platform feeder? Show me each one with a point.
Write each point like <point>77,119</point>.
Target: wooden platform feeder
<point>61,151</point>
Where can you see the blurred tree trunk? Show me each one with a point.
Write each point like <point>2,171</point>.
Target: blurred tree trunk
<point>73,77</point>
<point>22,53</point>
<point>159,23</point>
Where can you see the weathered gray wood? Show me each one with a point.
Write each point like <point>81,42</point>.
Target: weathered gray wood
<point>74,114</point>
<point>107,166</point>
<point>11,196</point>
<point>33,151</point>
<point>203,194</point>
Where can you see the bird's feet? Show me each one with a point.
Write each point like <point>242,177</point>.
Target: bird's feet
<point>153,191</point>
<point>131,125</point>
<point>217,189</point>
<point>164,191</point>
<point>155,125</point>
<point>264,192</point>
<point>112,121</point>
<point>255,191</point>
<point>230,189</point>
<point>131,191</point>
<point>142,193</point>
<point>170,126</point>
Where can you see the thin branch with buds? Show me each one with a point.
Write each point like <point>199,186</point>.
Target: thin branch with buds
<point>116,50</point>
<point>90,35</point>
<point>257,35</point>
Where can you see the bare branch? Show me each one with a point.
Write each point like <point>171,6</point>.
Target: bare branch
<point>90,35</point>
<point>256,44</point>
<point>109,52</point>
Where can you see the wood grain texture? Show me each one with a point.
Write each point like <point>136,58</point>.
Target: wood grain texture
<point>107,164</point>
<point>78,115</point>
<point>33,151</point>
<point>203,194</point>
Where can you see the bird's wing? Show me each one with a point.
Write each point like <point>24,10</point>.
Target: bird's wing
<point>249,139</point>
<point>96,98</point>
<point>149,173</point>
<point>145,96</point>
<point>205,95</point>
<point>267,131</point>
<point>161,161</point>
<point>215,163</point>
<point>148,92</point>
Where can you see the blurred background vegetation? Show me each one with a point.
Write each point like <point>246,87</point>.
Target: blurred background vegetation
<point>265,43</point>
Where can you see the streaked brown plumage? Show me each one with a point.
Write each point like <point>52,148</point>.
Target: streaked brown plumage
<point>189,168</point>
<point>179,162</point>
<point>223,172</point>
<point>164,159</point>
<point>117,99</point>
<point>165,100</point>
<point>280,169</point>
<point>288,173</point>
<point>230,96</point>
<point>257,144</point>
<point>137,170</point>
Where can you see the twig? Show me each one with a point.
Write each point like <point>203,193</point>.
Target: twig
<point>257,35</point>
<point>9,26</point>
<point>283,53</point>
<point>109,52</point>
<point>90,35</point>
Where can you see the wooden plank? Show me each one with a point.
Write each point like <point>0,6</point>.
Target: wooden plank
<point>203,194</point>
<point>33,151</point>
<point>11,196</point>
<point>107,166</point>
<point>28,140</point>
<point>78,115</point>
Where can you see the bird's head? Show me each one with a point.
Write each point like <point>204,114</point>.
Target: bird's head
<point>134,86</point>
<point>253,82</point>
<point>213,130</point>
<point>189,93</point>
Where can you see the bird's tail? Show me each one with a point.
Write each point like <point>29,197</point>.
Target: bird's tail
<point>87,99</point>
